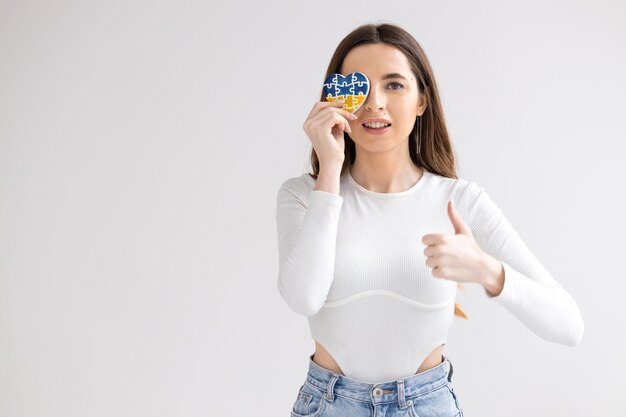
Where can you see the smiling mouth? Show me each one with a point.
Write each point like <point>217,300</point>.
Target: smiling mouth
<point>382,127</point>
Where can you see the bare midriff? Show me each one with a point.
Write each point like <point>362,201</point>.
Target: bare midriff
<point>323,359</point>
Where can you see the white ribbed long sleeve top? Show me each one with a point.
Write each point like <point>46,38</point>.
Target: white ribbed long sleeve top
<point>353,263</point>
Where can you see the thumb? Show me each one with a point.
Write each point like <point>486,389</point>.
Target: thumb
<point>457,221</point>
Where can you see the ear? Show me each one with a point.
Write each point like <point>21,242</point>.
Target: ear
<point>421,105</point>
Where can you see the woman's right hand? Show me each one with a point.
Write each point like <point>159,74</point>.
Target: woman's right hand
<point>325,126</point>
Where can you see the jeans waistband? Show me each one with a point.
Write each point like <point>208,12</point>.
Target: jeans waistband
<point>383,392</point>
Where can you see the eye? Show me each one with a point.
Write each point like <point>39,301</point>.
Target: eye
<point>401,86</point>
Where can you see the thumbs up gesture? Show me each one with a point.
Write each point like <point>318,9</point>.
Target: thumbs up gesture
<point>456,257</point>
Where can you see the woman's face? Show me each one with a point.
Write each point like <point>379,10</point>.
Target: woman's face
<point>391,96</point>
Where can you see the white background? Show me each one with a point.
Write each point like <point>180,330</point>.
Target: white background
<point>142,144</point>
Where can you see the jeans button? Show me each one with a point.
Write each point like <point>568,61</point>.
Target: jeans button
<point>378,392</point>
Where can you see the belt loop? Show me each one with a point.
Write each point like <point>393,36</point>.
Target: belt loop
<point>451,370</point>
<point>330,388</point>
<point>401,400</point>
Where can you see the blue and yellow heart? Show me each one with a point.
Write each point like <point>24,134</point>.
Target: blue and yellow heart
<point>353,89</point>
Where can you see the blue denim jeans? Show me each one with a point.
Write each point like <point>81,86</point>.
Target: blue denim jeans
<point>427,394</point>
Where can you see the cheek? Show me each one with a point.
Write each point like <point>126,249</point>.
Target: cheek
<point>405,119</point>
<point>404,112</point>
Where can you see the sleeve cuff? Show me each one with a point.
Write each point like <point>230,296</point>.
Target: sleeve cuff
<point>324,210</point>
<point>325,198</point>
<point>510,283</point>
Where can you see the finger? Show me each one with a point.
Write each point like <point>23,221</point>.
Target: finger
<point>330,120</point>
<point>320,105</point>
<point>431,262</point>
<point>437,272</point>
<point>430,251</point>
<point>433,239</point>
<point>344,112</point>
<point>345,117</point>
<point>345,126</point>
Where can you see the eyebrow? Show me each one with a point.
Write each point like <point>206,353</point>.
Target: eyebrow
<point>393,75</point>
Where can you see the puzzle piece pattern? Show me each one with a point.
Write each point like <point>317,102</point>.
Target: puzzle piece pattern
<point>353,89</point>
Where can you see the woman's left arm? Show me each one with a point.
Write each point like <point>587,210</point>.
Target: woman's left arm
<point>518,281</point>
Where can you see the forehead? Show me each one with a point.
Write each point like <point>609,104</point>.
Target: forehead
<point>376,60</point>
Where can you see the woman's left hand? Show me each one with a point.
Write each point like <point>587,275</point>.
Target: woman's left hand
<point>457,257</point>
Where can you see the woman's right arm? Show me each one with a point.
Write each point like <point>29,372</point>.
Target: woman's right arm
<point>307,235</point>
<point>307,218</point>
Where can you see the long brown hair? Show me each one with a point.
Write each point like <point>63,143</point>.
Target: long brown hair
<point>433,150</point>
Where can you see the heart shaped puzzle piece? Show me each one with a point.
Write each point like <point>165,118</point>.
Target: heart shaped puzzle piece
<point>353,89</point>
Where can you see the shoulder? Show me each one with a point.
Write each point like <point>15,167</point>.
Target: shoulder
<point>457,186</point>
<point>299,187</point>
<point>469,196</point>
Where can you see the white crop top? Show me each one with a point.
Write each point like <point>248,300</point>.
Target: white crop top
<point>353,263</point>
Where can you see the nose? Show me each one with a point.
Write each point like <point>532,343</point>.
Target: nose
<point>374,101</point>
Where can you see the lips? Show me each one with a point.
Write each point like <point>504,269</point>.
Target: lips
<point>377,120</point>
<point>377,131</point>
<point>388,125</point>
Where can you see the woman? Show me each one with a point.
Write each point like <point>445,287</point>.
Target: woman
<point>374,243</point>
